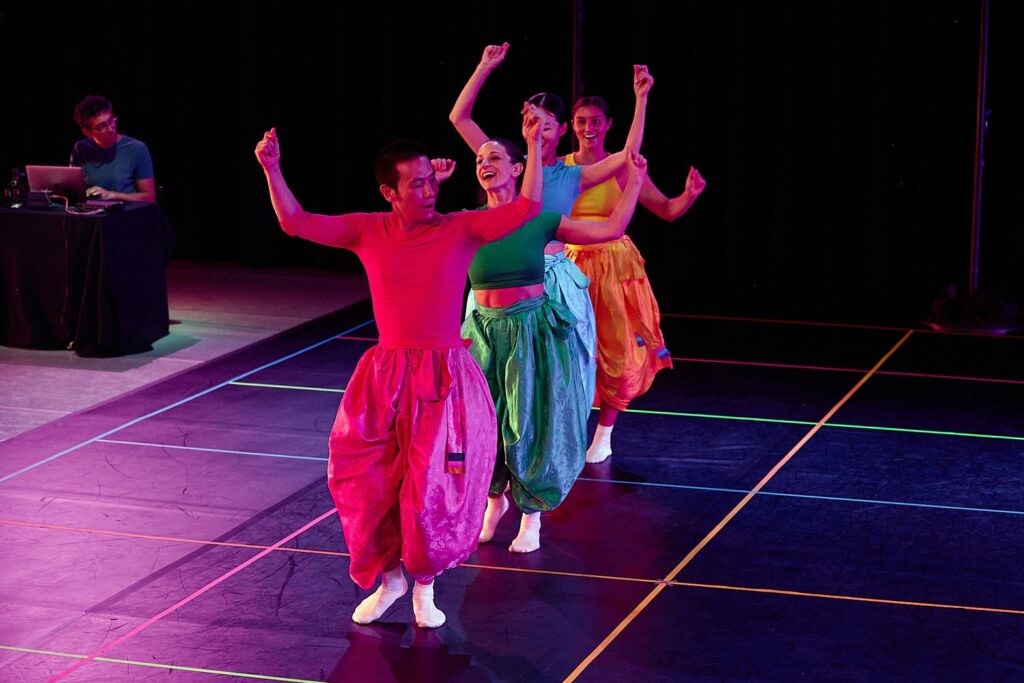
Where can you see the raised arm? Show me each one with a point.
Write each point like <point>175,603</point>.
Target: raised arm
<point>533,176</point>
<point>461,115</point>
<point>670,209</point>
<point>596,174</point>
<point>493,224</point>
<point>336,231</point>
<point>592,232</point>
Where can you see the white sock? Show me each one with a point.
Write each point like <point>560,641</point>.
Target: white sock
<point>528,539</point>
<point>497,506</point>
<point>423,608</point>
<point>601,446</point>
<point>392,586</point>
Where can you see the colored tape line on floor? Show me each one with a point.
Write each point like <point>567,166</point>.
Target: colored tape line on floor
<point>187,599</point>
<point>176,404</point>
<point>156,665</point>
<point>603,645</point>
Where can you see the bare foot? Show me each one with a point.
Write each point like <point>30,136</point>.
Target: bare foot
<point>601,445</point>
<point>599,451</point>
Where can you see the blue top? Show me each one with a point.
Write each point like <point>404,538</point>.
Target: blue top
<point>113,168</point>
<point>561,187</point>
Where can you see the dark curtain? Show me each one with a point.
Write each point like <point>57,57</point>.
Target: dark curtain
<point>836,137</point>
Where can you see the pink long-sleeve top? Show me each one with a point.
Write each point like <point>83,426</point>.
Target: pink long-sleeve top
<point>416,276</point>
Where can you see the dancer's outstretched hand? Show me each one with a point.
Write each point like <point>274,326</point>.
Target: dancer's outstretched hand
<point>443,169</point>
<point>493,56</point>
<point>268,151</point>
<point>642,80</point>
<point>694,183</point>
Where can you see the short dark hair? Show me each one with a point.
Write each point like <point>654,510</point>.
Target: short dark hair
<point>550,103</point>
<point>593,101</point>
<point>91,107</point>
<point>392,154</point>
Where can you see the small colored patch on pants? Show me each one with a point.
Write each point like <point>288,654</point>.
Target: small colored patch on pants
<point>640,341</point>
<point>456,463</point>
<point>662,352</point>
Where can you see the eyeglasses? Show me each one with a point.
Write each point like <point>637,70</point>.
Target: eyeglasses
<point>109,124</point>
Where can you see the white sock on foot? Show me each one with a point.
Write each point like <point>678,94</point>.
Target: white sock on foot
<point>497,506</point>
<point>392,586</point>
<point>423,608</point>
<point>601,446</point>
<point>528,539</point>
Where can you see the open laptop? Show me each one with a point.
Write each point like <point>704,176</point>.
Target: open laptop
<point>67,181</point>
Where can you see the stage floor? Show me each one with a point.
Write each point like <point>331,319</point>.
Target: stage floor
<point>792,501</point>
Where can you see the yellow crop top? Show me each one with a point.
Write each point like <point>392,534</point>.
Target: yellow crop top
<point>597,203</point>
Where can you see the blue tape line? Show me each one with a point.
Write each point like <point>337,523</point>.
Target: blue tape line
<point>779,494</point>
<point>212,450</point>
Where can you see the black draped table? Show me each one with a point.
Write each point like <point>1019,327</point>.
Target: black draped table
<point>95,284</point>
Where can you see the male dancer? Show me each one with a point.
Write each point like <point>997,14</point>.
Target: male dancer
<point>412,448</point>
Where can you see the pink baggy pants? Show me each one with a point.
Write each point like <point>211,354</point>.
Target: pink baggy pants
<point>411,456</point>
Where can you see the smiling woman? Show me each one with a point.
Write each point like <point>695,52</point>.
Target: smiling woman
<point>563,281</point>
<point>495,167</point>
<point>630,345</point>
<point>525,342</point>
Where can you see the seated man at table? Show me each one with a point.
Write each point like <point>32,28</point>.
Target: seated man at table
<point>116,166</point>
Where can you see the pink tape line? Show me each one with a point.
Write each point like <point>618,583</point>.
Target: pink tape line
<point>184,601</point>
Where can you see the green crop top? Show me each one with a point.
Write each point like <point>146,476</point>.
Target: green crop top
<point>515,260</point>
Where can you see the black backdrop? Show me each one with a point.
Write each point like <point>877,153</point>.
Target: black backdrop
<point>836,137</point>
